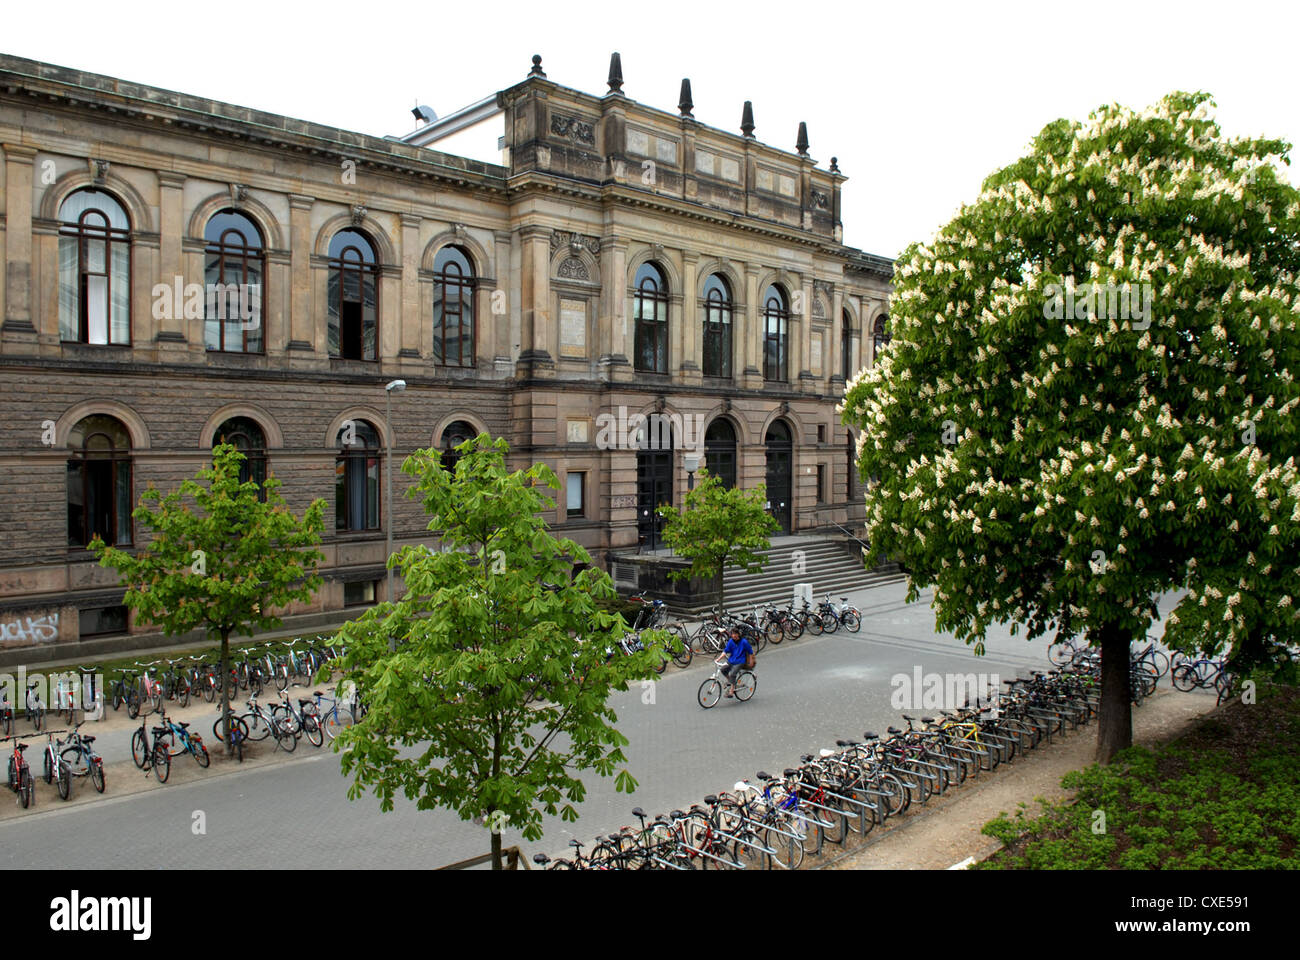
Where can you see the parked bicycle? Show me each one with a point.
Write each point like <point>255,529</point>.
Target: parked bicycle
<point>57,770</point>
<point>79,754</point>
<point>20,774</point>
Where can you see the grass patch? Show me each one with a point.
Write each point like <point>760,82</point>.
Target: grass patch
<point>1225,796</point>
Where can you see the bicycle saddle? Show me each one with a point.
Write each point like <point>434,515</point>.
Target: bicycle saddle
<point>677,814</point>
<point>711,799</point>
<point>317,693</point>
<point>927,719</point>
<point>790,772</point>
<point>23,746</point>
<point>541,858</point>
<point>87,739</point>
<point>764,775</point>
<point>827,753</point>
<point>894,730</point>
<point>638,812</point>
<point>869,736</point>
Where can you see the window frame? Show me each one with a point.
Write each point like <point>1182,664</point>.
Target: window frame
<point>109,235</point>
<point>718,301</point>
<point>776,309</point>
<point>116,457</point>
<point>657,296</point>
<point>343,458</point>
<point>255,456</point>
<point>243,255</point>
<point>367,271</point>
<point>580,513</point>
<point>466,287</point>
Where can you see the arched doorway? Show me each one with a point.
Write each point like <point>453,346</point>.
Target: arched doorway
<point>455,434</point>
<point>720,451</point>
<point>780,466</point>
<point>654,480</point>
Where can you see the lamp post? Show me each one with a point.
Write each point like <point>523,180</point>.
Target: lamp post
<point>692,461</point>
<point>397,386</point>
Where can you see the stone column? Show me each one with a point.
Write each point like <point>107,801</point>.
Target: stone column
<point>835,375</point>
<point>301,324</point>
<point>171,233</point>
<point>686,341</point>
<point>501,323</point>
<point>409,317</point>
<point>800,336</point>
<point>18,239</point>
<point>613,309</point>
<point>749,336</point>
<point>535,356</point>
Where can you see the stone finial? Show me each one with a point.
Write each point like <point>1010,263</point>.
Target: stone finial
<point>801,142</point>
<point>684,102</point>
<point>615,73</point>
<point>835,164</point>
<point>747,120</point>
<point>537,67</point>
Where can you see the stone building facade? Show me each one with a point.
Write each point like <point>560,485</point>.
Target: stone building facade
<point>619,261</point>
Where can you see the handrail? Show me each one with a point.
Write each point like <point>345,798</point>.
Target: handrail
<point>861,543</point>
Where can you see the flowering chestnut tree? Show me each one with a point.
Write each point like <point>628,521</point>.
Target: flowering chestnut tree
<point>1090,395</point>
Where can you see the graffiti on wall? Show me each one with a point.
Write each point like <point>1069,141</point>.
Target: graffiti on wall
<point>23,631</point>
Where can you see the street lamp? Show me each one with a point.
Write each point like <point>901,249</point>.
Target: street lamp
<point>692,461</point>
<point>397,386</point>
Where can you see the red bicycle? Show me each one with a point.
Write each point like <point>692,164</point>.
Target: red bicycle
<point>20,775</point>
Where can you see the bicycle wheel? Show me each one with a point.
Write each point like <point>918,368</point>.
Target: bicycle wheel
<point>65,780</point>
<point>282,678</point>
<point>334,723</point>
<point>852,622</point>
<point>1184,677</point>
<point>681,654</point>
<point>256,725</point>
<point>789,850</point>
<point>834,825</point>
<point>815,624</point>
<point>117,699</point>
<point>1061,653</point>
<point>133,706</point>
<point>139,749</point>
<point>162,761</point>
<point>97,773</point>
<point>830,622</point>
<point>746,684</point>
<point>183,694</point>
<point>312,731</point>
<point>710,693</point>
<point>49,767</point>
<point>285,736</point>
<point>774,631</point>
<point>793,628</point>
<point>26,787</point>
<point>37,716</point>
<point>210,692</point>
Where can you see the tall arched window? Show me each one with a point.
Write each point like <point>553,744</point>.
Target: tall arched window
<point>452,437</point>
<point>720,451</point>
<point>353,297</point>
<point>99,482</point>
<point>776,334</point>
<point>717,327</point>
<point>246,436</point>
<point>880,334</point>
<point>651,314</point>
<point>234,271</point>
<point>453,308</point>
<point>846,346</point>
<point>356,477</point>
<point>94,269</point>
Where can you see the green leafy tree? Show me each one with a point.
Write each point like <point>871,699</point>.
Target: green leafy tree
<point>1089,399</point>
<point>719,526</point>
<point>503,666</point>
<point>224,567</point>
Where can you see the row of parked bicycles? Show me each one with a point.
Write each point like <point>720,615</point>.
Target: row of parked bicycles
<point>277,663</point>
<point>776,821</point>
<point>62,761</point>
<point>1151,665</point>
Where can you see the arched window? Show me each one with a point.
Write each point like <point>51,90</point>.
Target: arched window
<point>246,436</point>
<point>99,482</point>
<point>720,451</point>
<point>94,269</point>
<point>353,297</point>
<point>453,308</point>
<point>880,334</point>
<point>455,434</point>
<point>651,314</point>
<point>717,327</point>
<point>846,346</point>
<point>776,334</point>
<point>356,477</point>
<point>234,270</point>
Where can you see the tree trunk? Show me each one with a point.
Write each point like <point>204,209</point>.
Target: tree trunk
<point>1115,723</point>
<point>225,692</point>
<point>496,845</point>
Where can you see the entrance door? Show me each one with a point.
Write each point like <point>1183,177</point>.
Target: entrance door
<point>654,487</point>
<point>780,456</point>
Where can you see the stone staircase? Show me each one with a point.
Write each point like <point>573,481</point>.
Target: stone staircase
<point>830,564</point>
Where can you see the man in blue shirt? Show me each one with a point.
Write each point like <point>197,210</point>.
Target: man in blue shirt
<point>736,654</point>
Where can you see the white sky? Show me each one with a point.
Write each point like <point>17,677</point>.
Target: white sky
<point>920,101</point>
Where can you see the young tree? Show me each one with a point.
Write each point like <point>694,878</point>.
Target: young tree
<point>1090,395</point>
<point>225,567</point>
<point>503,665</point>
<point>717,526</point>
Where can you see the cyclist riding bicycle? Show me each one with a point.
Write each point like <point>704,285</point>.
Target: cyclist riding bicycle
<point>737,654</point>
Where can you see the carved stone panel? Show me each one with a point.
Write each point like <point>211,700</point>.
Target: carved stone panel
<point>573,128</point>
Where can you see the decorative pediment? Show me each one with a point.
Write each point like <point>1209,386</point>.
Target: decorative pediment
<point>576,242</point>
<point>572,269</point>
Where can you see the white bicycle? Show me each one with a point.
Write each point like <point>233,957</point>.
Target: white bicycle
<point>711,689</point>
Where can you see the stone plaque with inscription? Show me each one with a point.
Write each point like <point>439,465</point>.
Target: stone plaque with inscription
<point>573,328</point>
<point>815,356</point>
<point>578,431</point>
